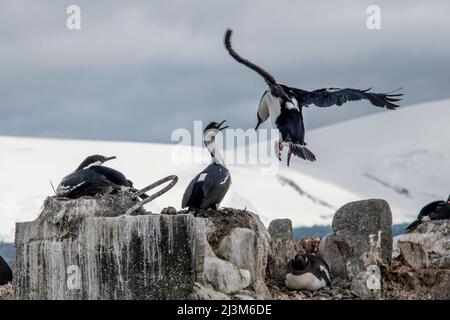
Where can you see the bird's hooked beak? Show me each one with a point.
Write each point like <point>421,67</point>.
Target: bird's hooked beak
<point>219,126</point>
<point>108,158</point>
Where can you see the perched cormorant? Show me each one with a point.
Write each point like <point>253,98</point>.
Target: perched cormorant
<point>209,187</point>
<point>284,105</point>
<point>91,178</point>
<point>436,210</point>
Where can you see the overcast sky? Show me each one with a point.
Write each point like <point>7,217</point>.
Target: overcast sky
<point>139,69</point>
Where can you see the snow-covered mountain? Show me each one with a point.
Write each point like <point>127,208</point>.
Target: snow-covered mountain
<point>401,156</point>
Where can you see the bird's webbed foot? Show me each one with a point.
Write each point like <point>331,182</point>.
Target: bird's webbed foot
<point>279,148</point>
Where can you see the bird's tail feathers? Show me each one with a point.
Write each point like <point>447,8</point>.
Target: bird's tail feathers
<point>413,225</point>
<point>302,152</point>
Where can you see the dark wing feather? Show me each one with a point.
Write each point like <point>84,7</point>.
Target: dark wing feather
<point>334,96</point>
<point>263,73</point>
<point>188,193</point>
<point>85,183</point>
<point>216,185</point>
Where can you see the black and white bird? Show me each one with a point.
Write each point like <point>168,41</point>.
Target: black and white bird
<point>436,210</point>
<point>306,271</point>
<point>284,105</point>
<point>91,179</point>
<point>209,187</point>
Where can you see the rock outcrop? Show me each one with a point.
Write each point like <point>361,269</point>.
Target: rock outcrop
<point>282,248</point>
<point>236,254</point>
<point>361,244</point>
<point>428,246</point>
<point>89,249</point>
<point>421,266</point>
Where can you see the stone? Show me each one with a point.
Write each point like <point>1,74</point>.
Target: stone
<point>282,248</point>
<point>89,248</point>
<point>361,237</point>
<point>239,237</point>
<point>169,210</point>
<point>205,292</point>
<point>6,292</point>
<point>225,277</point>
<point>428,246</point>
<point>83,249</point>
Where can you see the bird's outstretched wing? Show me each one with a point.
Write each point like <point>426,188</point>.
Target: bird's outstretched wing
<point>334,96</point>
<point>263,73</point>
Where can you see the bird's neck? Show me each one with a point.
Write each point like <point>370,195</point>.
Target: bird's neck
<point>216,157</point>
<point>84,166</point>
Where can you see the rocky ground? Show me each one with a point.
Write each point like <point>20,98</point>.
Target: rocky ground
<point>6,292</point>
<point>236,257</point>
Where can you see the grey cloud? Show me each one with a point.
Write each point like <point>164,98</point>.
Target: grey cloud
<point>140,69</point>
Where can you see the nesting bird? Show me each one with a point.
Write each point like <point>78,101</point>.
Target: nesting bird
<point>306,271</point>
<point>284,105</point>
<point>91,179</point>
<point>209,187</point>
<point>436,210</point>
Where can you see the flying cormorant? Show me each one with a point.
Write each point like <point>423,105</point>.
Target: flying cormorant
<point>285,104</point>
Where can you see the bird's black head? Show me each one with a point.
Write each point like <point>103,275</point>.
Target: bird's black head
<point>95,160</point>
<point>300,261</point>
<point>215,126</point>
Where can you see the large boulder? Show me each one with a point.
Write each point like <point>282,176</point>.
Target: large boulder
<point>428,246</point>
<point>361,239</point>
<point>226,277</point>
<point>237,250</point>
<point>89,249</point>
<point>283,248</point>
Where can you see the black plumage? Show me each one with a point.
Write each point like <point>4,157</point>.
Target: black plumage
<point>6,274</point>
<point>91,179</point>
<point>285,104</point>
<point>209,187</point>
<point>436,210</point>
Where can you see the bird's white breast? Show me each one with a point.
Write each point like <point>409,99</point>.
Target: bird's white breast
<point>274,106</point>
<point>304,281</point>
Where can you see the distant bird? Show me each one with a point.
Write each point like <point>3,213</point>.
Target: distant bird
<point>91,179</point>
<point>6,274</point>
<point>208,188</point>
<point>306,271</point>
<point>284,106</point>
<point>437,210</point>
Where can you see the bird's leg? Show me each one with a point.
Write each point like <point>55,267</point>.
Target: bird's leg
<point>279,148</point>
<point>289,156</point>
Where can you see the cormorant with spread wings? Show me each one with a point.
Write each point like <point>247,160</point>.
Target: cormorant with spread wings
<point>284,104</point>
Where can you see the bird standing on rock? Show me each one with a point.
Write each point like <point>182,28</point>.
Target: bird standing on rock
<point>91,179</point>
<point>284,105</point>
<point>209,187</point>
